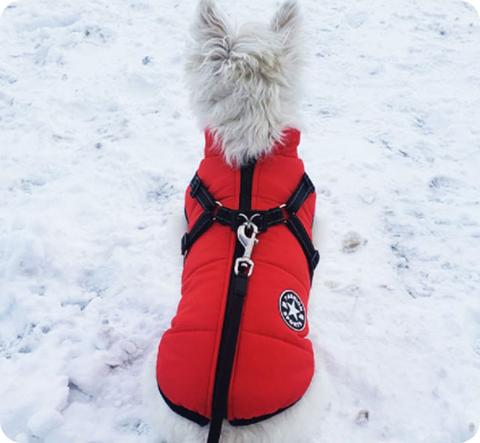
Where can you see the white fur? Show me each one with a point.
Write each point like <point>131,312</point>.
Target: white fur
<point>244,82</point>
<point>293,425</point>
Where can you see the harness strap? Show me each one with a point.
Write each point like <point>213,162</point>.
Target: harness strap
<point>199,228</point>
<point>227,217</point>
<point>214,212</point>
<point>270,218</point>
<point>263,219</point>
<point>200,192</point>
<point>298,230</point>
<point>297,199</point>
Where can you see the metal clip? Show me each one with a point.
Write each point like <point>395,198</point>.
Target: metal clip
<point>247,236</point>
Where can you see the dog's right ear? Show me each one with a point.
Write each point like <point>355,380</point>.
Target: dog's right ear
<point>211,29</point>
<point>287,19</point>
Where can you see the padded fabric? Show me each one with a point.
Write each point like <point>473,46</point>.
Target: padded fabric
<point>274,364</point>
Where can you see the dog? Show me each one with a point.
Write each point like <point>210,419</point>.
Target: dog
<point>237,350</point>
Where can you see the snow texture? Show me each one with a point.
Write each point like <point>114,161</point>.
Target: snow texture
<point>98,142</point>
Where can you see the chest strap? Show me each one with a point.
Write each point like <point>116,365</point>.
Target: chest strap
<point>214,212</point>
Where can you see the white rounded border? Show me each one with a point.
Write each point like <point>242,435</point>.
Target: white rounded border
<point>4,438</point>
<point>475,4</point>
<point>3,6</point>
<point>475,439</point>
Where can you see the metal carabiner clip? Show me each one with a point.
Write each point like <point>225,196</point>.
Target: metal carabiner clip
<point>247,236</point>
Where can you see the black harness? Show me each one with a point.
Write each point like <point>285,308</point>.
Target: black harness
<point>215,212</point>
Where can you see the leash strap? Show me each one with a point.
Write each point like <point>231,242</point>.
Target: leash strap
<point>215,430</point>
<point>234,310</point>
<point>286,214</point>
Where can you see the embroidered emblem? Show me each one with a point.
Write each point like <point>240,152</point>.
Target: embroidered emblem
<point>292,310</point>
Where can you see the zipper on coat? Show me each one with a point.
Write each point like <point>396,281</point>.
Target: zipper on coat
<point>231,323</point>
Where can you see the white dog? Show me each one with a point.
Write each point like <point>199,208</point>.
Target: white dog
<point>244,85</point>
<point>245,82</point>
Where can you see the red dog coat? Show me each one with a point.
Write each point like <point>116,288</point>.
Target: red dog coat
<point>237,347</point>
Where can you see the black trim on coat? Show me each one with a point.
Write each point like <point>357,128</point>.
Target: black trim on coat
<point>184,412</point>
<point>203,421</point>
<point>252,421</point>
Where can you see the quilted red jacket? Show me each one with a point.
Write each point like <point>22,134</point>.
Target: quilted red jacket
<point>237,348</point>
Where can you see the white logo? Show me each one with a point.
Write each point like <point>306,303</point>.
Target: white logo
<point>292,311</point>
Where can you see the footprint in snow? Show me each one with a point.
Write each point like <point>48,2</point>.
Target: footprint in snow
<point>443,183</point>
<point>353,242</point>
<point>363,417</point>
<point>161,190</point>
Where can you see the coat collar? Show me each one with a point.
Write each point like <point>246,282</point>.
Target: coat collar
<point>286,147</point>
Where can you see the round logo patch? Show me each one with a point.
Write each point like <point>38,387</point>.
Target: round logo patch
<point>292,311</point>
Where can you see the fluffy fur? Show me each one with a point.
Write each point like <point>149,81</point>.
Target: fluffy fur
<point>244,81</point>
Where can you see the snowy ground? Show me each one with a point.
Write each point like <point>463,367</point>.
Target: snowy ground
<point>97,143</point>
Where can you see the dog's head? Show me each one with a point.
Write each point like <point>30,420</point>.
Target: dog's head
<point>244,80</point>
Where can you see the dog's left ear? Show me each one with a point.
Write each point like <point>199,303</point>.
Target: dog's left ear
<point>287,20</point>
<point>211,29</point>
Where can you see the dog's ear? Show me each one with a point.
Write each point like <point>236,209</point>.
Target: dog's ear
<point>287,19</point>
<point>211,28</point>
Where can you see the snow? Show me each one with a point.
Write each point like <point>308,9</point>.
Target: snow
<point>98,142</point>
